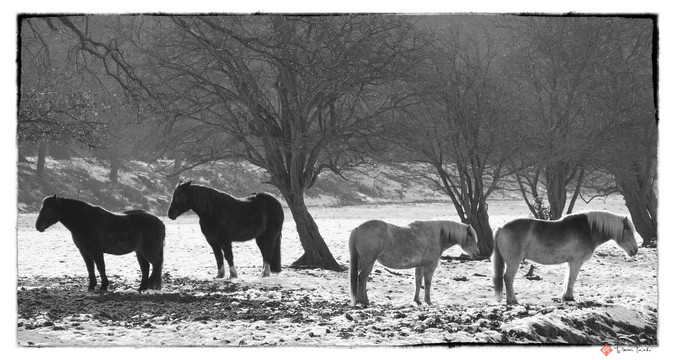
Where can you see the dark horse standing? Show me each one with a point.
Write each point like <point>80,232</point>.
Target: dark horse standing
<point>224,219</point>
<point>96,231</point>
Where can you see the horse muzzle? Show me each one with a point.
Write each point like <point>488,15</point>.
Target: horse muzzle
<point>173,214</point>
<point>40,228</point>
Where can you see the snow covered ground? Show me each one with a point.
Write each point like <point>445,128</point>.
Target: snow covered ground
<point>616,296</point>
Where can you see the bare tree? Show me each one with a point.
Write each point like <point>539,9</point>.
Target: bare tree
<point>554,66</point>
<point>296,96</point>
<point>458,126</point>
<point>626,107</point>
<point>52,107</point>
<point>64,100</point>
<point>548,78</point>
<point>587,87</point>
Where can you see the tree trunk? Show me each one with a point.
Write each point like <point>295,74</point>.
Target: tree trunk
<point>478,218</point>
<point>652,206</point>
<point>42,154</point>
<point>640,206</point>
<point>644,224</point>
<point>174,176</point>
<point>317,254</point>
<point>523,193</point>
<point>577,190</point>
<point>480,221</point>
<point>556,191</point>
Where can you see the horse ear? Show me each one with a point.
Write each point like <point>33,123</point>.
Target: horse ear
<point>54,196</point>
<point>188,183</point>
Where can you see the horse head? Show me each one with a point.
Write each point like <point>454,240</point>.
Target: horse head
<point>471,242</point>
<point>627,241</point>
<point>49,214</point>
<point>181,200</point>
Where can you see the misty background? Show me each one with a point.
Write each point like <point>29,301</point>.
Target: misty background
<point>549,110</point>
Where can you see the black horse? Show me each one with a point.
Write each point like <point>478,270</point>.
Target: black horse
<point>224,219</point>
<point>96,231</point>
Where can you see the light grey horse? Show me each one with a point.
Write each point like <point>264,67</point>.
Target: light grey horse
<point>571,240</point>
<point>418,245</point>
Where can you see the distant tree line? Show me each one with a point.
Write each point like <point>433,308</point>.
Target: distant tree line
<point>543,106</point>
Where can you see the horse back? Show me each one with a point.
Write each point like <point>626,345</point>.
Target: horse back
<point>546,242</point>
<point>267,204</point>
<point>143,220</point>
<point>262,210</point>
<point>242,219</point>
<point>371,238</point>
<point>117,233</point>
<point>131,230</point>
<point>394,246</point>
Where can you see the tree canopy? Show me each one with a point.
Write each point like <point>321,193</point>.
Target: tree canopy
<point>480,101</point>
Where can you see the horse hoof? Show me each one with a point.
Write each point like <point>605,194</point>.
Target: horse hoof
<point>363,303</point>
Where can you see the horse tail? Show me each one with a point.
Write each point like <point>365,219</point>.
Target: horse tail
<point>275,264</point>
<point>161,234</point>
<point>353,266</point>
<point>498,267</point>
<point>277,223</point>
<point>155,233</point>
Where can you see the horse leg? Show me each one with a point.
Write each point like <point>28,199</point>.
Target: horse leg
<point>418,284</point>
<point>266,252</point>
<point>361,293</point>
<point>218,253</point>
<point>227,249</point>
<point>509,277</point>
<point>145,269</point>
<point>428,274</point>
<point>573,271</point>
<point>266,269</point>
<point>151,254</point>
<point>89,261</point>
<point>100,264</point>
<point>156,276</point>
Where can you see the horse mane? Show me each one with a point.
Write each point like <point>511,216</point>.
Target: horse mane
<point>78,203</point>
<point>453,230</point>
<point>78,210</point>
<point>203,197</point>
<point>608,224</point>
